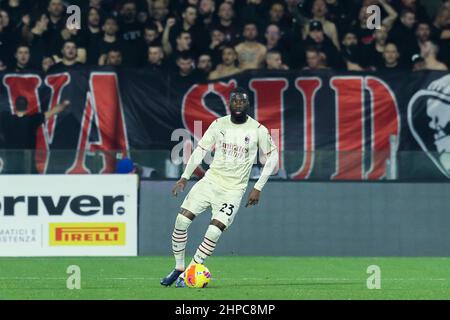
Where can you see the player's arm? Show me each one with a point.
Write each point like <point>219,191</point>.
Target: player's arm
<point>194,161</point>
<point>267,145</point>
<point>269,168</point>
<point>205,144</point>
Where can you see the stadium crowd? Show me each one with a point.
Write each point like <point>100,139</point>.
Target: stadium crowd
<point>209,39</point>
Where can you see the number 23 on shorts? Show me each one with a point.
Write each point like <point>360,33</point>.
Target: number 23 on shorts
<point>227,208</point>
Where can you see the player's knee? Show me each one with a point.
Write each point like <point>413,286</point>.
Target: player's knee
<point>187,214</point>
<point>218,224</point>
<point>182,222</point>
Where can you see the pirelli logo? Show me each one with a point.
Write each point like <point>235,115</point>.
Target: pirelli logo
<point>87,234</point>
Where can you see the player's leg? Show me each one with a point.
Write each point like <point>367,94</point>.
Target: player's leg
<point>195,203</point>
<point>179,240</point>
<point>206,248</point>
<point>212,235</point>
<point>224,209</point>
<point>180,236</point>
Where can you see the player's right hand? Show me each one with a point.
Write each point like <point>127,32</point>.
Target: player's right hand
<point>179,185</point>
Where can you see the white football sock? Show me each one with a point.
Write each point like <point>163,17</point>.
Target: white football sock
<point>208,245</point>
<point>179,240</point>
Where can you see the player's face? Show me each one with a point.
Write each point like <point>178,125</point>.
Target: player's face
<point>239,105</point>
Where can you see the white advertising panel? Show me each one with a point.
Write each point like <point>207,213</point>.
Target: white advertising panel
<point>68,215</point>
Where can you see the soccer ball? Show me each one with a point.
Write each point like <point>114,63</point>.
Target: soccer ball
<point>197,276</point>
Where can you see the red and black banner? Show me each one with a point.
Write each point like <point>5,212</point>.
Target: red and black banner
<point>331,126</point>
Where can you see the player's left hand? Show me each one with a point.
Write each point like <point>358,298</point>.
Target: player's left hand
<point>253,198</point>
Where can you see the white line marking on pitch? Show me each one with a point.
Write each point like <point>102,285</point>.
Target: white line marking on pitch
<point>231,279</point>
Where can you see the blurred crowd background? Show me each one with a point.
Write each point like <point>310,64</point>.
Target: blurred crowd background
<point>210,39</point>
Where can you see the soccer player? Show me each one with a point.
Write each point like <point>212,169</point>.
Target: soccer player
<point>236,139</point>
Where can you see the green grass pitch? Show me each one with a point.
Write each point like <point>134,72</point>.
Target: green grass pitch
<point>236,278</point>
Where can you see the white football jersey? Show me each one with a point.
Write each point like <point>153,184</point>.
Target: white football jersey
<point>236,147</point>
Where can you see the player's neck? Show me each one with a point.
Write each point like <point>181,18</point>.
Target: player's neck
<point>238,120</point>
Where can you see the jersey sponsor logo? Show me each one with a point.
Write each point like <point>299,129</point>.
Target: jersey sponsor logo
<point>87,234</point>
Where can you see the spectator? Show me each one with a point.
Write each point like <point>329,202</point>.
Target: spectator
<point>114,58</point>
<point>441,27</point>
<point>186,73</point>
<point>204,64</point>
<point>19,131</point>
<point>227,22</point>
<point>69,53</point>
<point>284,25</point>
<point>418,64</point>
<point>228,66</point>
<point>93,36</point>
<point>341,13</point>
<point>151,35</point>
<point>315,60</point>
<point>22,59</point>
<point>423,35</point>
<point>414,6</point>
<point>429,52</point>
<point>56,24</point>
<point>365,35</point>
<point>373,52</point>
<point>294,13</point>
<point>97,4</point>
<point>36,37</point>
<point>322,43</point>
<point>159,11</point>
<point>110,39</point>
<point>130,28</point>
<point>250,52</point>
<point>403,35</point>
<point>277,16</point>
<point>253,10</point>
<point>77,36</point>
<point>216,44</point>
<point>16,10</point>
<point>274,61</point>
<point>188,24</point>
<point>319,11</point>
<point>47,63</point>
<point>351,52</point>
<point>155,59</point>
<point>130,31</point>
<point>206,11</point>
<point>7,44</point>
<point>391,58</point>
<point>183,45</point>
<point>274,41</point>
